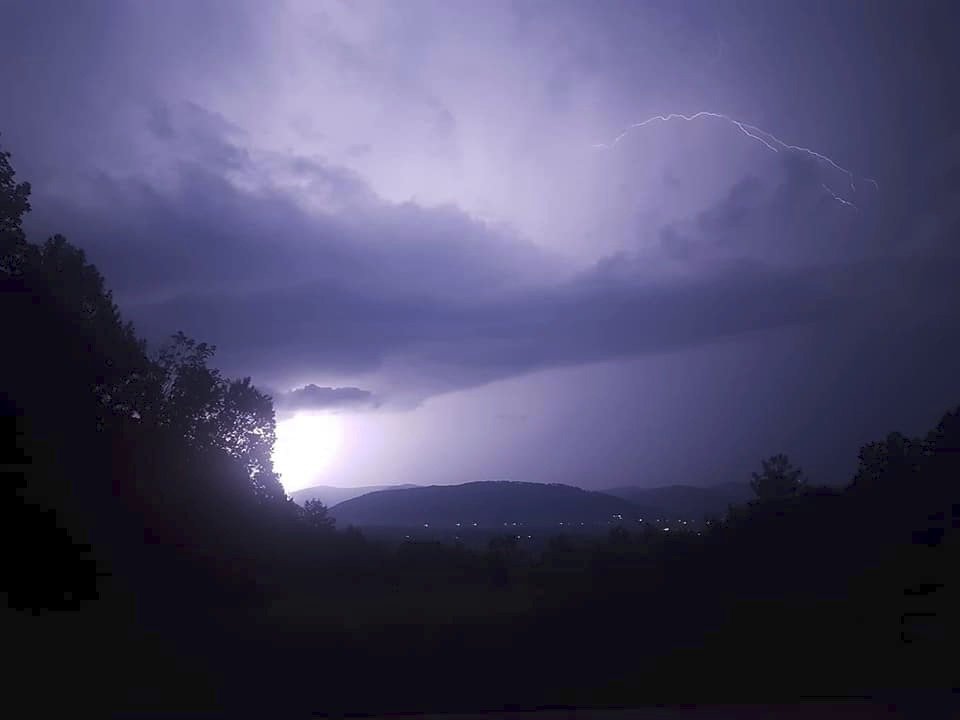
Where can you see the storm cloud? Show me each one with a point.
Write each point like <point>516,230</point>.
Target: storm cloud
<point>370,287</point>
<point>401,208</point>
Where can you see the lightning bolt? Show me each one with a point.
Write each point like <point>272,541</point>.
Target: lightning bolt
<point>767,139</point>
<point>838,198</point>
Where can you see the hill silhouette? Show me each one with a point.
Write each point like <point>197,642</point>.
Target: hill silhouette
<point>686,501</point>
<point>487,503</point>
<point>330,495</point>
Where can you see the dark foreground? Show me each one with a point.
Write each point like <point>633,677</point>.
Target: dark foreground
<point>850,709</point>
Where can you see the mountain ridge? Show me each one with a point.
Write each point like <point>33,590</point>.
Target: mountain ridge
<point>331,495</point>
<point>486,503</point>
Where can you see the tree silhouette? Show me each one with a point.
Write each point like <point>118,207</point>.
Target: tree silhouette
<point>189,391</point>
<point>247,431</point>
<point>884,463</point>
<point>317,515</point>
<point>149,461</point>
<point>779,479</point>
<point>211,412</point>
<point>68,363</point>
<point>14,204</point>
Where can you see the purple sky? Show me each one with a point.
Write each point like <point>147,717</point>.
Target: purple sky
<point>395,215</point>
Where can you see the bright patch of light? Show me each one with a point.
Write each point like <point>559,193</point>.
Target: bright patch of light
<point>306,446</point>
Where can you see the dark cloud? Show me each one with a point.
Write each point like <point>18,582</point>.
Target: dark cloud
<point>428,299</point>
<point>202,231</point>
<point>160,123</point>
<point>675,244</point>
<point>732,213</point>
<point>792,216</point>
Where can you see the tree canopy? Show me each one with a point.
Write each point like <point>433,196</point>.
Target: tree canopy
<point>779,479</point>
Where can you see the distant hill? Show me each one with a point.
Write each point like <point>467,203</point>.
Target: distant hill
<point>330,495</point>
<point>686,501</point>
<point>488,504</point>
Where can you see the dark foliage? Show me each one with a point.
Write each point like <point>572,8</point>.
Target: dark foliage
<point>315,513</point>
<point>779,479</point>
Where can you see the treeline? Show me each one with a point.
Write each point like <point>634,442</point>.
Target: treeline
<point>145,480</point>
<point>121,464</point>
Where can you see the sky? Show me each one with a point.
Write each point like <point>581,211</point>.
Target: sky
<point>422,227</point>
